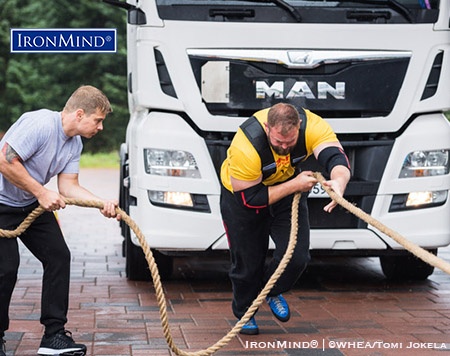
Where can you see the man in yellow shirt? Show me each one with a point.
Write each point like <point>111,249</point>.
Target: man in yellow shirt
<point>259,178</point>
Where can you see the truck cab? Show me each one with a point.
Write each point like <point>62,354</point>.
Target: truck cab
<point>377,71</point>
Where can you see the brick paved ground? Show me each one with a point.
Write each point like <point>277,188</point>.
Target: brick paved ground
<point>337,300</point>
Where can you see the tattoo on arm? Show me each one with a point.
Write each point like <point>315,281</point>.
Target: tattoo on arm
<point>10,154</point>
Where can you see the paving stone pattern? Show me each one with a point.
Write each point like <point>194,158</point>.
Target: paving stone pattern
<point>340,306</point>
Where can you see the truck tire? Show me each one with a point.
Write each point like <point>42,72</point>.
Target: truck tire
<point>123,191</point>
<point>136,266</point>
<point>406,267</point>
<point>164,263</point>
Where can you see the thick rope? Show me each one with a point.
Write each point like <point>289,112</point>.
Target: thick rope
<point>413,248</point>
<point>23,225</point>
<point>418,251</point>
<point>252,309</point>
<point>157,280</point>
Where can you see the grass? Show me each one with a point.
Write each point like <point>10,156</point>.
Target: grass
<point>100,160</point>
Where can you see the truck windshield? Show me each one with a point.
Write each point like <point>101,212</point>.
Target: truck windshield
<point>304,11</point>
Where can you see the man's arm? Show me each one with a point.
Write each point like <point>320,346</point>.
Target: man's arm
<point>301,183</point>
<point>13,170</point>
<point>69,187</point>
<point>340,170</point>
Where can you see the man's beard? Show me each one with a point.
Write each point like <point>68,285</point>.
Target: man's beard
<point>282,151</point>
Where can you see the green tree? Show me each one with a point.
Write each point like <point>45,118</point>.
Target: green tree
<point>31,81</point>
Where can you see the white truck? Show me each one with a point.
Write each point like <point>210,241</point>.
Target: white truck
<point>378,71</point>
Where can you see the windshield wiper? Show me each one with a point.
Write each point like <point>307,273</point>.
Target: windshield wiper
<point>284,5</point>
<point>393,4</point>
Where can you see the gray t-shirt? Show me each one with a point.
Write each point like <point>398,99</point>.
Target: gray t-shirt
<point>39,139</point>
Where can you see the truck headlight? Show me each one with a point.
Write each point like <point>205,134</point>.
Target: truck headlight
<point>179,200</point>
<point>418,200</point>
<point>425,164</point>
<point>170,163</point>
<point>170,198</point>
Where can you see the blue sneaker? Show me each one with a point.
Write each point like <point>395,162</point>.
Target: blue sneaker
<point>250,327</point>
<point>279,307</point>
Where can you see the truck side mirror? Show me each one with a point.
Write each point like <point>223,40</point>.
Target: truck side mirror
<point>135,15</point>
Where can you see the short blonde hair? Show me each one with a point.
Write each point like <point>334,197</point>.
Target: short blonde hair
<point>90,99</point>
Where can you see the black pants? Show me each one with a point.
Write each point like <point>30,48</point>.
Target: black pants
<point>248,232</point>
<point>46,242</point>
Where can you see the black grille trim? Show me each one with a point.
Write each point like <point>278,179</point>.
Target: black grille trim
<point>163,74</point>
<point>433,79</point>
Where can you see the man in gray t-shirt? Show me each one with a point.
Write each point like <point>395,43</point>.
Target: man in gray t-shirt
<point>40,145</point>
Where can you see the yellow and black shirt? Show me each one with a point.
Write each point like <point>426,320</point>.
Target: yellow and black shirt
<point>244,163</point>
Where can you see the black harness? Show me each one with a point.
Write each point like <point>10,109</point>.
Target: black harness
<point>258,138</point>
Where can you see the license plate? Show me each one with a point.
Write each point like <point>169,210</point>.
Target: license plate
<point>318,192</point>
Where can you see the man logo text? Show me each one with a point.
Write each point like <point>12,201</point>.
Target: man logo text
<point>299,90</point>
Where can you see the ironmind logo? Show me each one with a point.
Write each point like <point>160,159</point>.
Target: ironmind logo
<point>63,40</point>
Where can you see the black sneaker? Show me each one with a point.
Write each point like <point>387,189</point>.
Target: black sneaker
<point>61,344</point>
<point>2,347</point>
